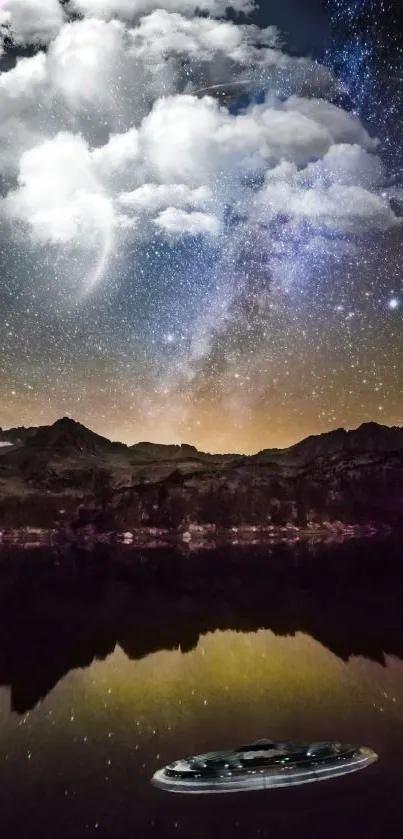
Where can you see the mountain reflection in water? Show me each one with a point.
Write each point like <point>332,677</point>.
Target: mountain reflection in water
<point>117,663</point>
<point>61,612</point>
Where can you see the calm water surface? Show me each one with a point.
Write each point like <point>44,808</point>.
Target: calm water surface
<point>106,677</point>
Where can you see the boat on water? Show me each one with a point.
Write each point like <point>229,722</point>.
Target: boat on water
<point>264,764</point>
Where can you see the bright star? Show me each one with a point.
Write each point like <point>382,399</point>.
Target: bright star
<point>393,303</point>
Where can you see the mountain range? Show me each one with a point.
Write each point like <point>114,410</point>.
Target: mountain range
<point>65,475</point>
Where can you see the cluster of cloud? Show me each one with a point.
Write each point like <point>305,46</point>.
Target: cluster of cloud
<point>32,23</point>
<point>131,9</point>
<point>102,137</point>
<point>40,22</point>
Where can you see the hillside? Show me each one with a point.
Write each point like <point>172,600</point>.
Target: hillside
<point>65,475</point>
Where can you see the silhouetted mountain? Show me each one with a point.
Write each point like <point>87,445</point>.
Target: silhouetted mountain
<point>65,473</point>
<point>159,451</point>
<point>64,616</point>
<point>369,437</point>
<point>67,436</point>
<point>17,436</point>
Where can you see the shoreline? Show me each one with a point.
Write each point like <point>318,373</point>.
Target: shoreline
<point>194,537</point>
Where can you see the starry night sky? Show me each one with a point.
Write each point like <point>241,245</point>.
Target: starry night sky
<point>179,269</point>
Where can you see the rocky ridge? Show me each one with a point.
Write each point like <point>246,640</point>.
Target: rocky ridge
<point>65,476</point>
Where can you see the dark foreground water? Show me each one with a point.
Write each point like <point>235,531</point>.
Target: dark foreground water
<point>112,665</point>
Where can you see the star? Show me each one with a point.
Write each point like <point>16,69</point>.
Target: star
<point>180,265</point>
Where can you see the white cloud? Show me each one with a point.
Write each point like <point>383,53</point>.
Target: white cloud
<point>350,165</point>
<point>131,9</point>
<point>84,64</point>
<point>184,137</point>
<point>66,193</point>
<point>21,83</point>
<point>153,197</point>
<point>337,208</point>
<point>99,77</point>
<point>58,196</point>
<point>97,132</point>
<point>178,139</point>
<point>118,164</point>
<point>344,126</point>
<point>189,155</point>
<point>272,134</point>
<point>162,32</point>
<point>22,90</point>
<point>179,223</point>
<point>33,21</point>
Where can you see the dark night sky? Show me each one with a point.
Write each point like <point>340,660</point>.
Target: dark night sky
<point>177,270</point>
<point>306,24</point>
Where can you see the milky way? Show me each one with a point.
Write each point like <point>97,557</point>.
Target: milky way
<point>178,266</point>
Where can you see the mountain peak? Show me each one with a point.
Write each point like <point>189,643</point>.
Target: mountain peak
<point>67,421</point>
<point>373,426</point>
<point>68,424</point>
<point>68,435</point>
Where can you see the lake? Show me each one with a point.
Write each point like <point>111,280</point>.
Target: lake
<point>113,663</point>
